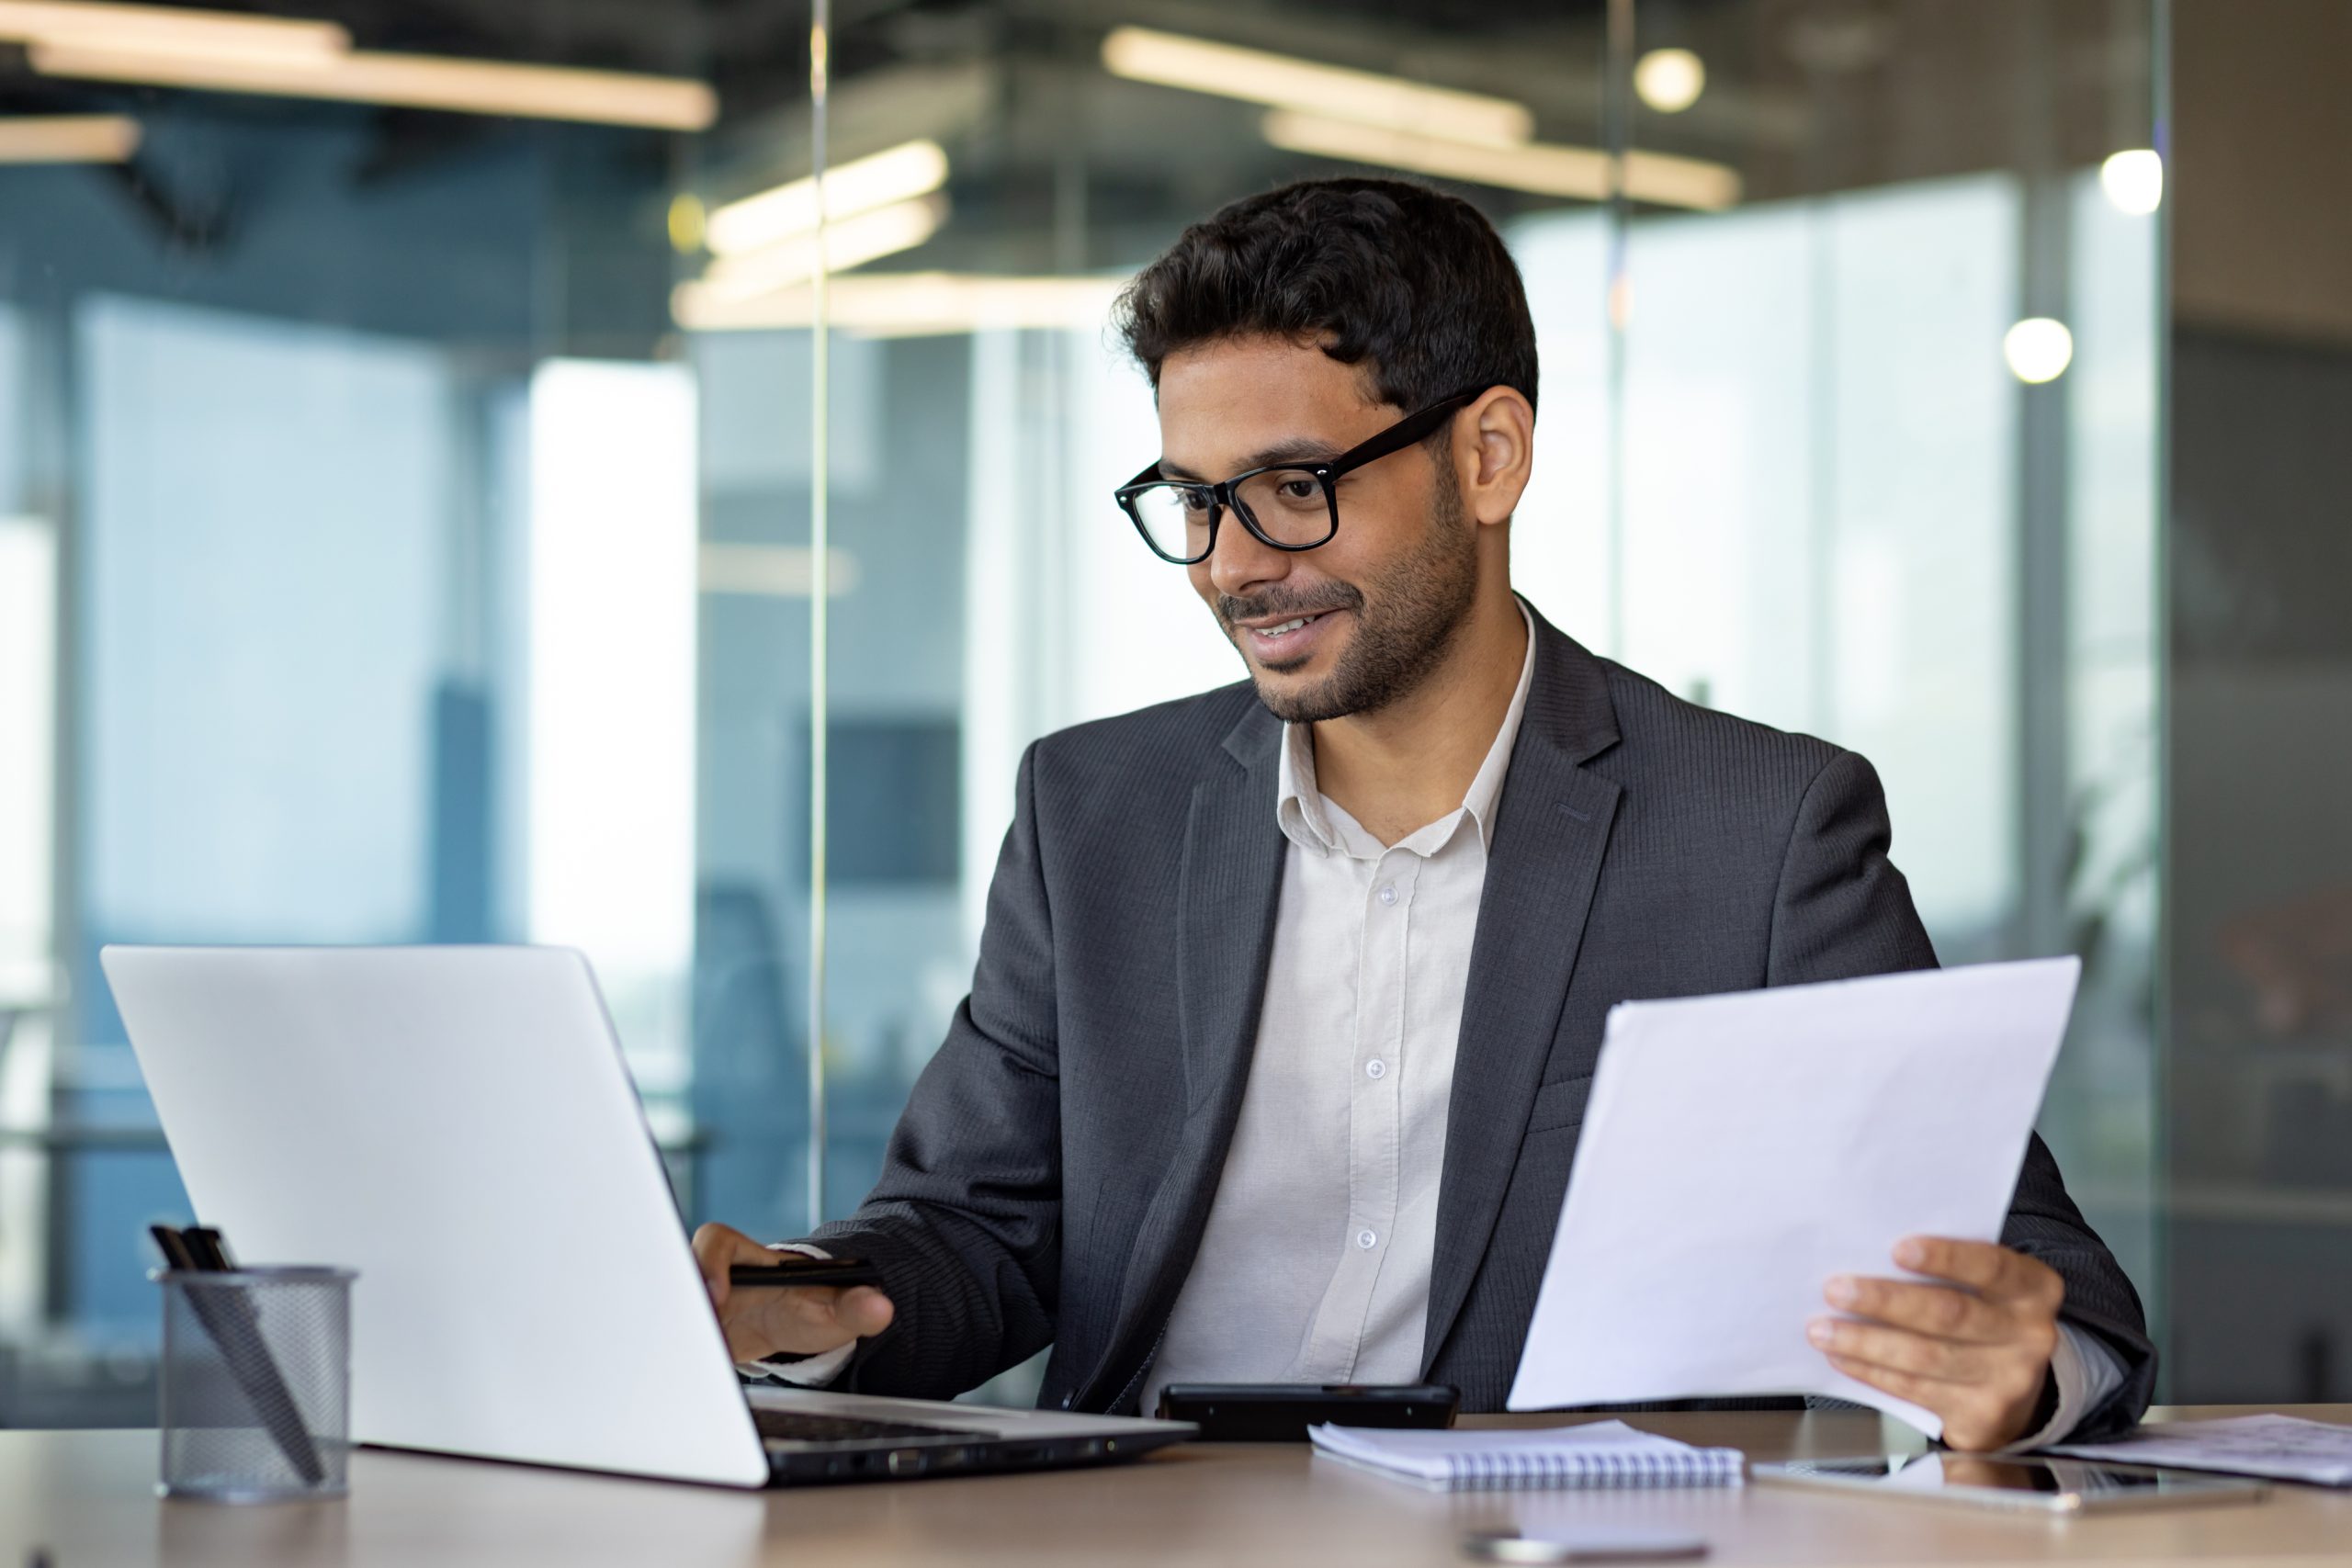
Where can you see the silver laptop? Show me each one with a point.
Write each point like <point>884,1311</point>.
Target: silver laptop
<point>457,1125</point>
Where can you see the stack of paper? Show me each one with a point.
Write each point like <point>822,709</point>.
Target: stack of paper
<point>1739,1150</point>
<point>2281,1448</point>
<point>1605,1454</point>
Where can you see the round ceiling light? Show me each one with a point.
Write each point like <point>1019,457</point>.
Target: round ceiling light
<point>2038,350</point>
<point>1669,80</point>
<point>2135,180</point>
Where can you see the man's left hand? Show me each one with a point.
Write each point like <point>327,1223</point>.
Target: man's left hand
<point>1974,1348</point>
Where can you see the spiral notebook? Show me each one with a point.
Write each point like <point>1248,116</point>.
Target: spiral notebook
<point>1602,1456</point>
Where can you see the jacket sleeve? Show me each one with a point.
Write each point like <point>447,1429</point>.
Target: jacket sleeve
<point>1843,910</point>
<point>965,1222</point>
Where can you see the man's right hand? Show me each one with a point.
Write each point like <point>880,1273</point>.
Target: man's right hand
<point>794,1321</point>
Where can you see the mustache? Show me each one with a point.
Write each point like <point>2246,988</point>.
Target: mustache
<point>1231,608</point>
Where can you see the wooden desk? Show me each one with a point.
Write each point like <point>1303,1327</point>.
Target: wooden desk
<point>87,1496</point>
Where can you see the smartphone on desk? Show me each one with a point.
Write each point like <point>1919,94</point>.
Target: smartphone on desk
<point>1281,1412</point>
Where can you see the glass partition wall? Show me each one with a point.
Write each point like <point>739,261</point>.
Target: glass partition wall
<point>424,524</point>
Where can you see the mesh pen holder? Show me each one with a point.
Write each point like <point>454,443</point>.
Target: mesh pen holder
<point>256,1384</point>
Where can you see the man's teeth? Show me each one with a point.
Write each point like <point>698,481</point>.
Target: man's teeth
<point>1286,626</point>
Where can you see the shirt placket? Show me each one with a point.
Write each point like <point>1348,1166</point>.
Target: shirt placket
<point>1376,1114</point>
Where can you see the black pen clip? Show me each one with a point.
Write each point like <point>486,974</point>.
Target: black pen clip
<point>173,1246</point>
<point>210,1247</point>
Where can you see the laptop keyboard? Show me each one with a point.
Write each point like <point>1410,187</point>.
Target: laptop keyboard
<point>801,1426</point>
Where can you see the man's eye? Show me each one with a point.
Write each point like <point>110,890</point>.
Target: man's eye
<point>1298,489</point>
<point>1193,499</point>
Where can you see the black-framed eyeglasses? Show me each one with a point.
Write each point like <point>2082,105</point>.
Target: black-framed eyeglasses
<point>1291,506</point>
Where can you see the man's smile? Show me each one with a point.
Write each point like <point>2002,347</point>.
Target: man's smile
<point>1282,640</point>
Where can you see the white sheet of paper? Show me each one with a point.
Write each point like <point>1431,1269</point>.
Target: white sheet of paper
<point>2285,1447</point>
<point>1739,1150</point>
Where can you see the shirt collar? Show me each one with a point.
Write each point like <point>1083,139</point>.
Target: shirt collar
<point>1307,820</point>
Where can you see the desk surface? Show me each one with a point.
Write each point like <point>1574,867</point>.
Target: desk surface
<point>87,1496</point>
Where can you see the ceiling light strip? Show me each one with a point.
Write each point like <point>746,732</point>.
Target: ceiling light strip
<point>901,174</point>
<point>851,243</point>
<point>914,304</point>
<point>407,81</point>
<point>1539,168</point>
<point>1224,69</point>
<point>170,29</point>
<point>68,139</point>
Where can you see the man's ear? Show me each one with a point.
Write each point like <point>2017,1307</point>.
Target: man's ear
<point>1493,452</point>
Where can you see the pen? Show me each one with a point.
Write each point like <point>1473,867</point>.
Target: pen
<point>847,1272</point>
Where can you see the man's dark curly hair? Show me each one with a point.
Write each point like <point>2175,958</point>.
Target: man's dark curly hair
<point>1404,280</point>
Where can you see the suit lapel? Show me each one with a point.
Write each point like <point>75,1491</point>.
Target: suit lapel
<point>1551,832</point>
<point>1227,892</point>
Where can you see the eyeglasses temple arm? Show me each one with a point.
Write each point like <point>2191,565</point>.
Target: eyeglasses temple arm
<point>1403,434</point>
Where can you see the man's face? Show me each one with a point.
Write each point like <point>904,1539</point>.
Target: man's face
<point>1357,623</point>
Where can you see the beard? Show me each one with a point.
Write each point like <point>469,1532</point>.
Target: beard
<point>1414,609</point>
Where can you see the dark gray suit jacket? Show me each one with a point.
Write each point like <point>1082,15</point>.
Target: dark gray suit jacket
<point>1051,1176</point>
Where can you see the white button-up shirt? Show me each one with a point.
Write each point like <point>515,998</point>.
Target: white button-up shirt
<point>1314,1266</point>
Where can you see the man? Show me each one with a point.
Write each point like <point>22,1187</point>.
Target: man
<point>1290,994</point>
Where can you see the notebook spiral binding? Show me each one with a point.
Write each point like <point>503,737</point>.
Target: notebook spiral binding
<point>1508,1472</point>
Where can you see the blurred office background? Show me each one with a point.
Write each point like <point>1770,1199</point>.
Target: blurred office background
<point>421,464</point>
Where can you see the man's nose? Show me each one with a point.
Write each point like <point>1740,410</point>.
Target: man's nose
<point>1241,561</point>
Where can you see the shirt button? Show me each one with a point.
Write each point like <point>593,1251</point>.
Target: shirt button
<point>1388,893</point>
<point>1366,1240</point>
<point>1375,1068</point>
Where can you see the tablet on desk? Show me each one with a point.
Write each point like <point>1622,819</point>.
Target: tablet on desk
<point>2028,1485</point>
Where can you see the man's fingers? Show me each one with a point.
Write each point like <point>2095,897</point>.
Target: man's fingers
<point>1975,1418</point>
<point>714,1252</point>
<point>863,1312</point>
<point>1964,1428</point>
<point>1928,1393</point>
<point>1979,1265</point>
<point>1896,1349</point>
<point>794,1321</point>
<point>1983,1265</point>
<point>1926,1309</point>
<point>809,1320</point>
<point>717,1249</point>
